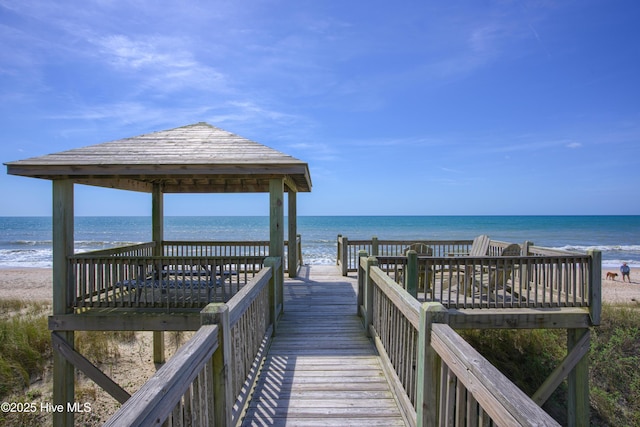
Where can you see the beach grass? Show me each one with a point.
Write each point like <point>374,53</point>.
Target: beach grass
<point>26,343</point>
<point>102,347</point>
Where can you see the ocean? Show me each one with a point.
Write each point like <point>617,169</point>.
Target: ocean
<point>26,241</point>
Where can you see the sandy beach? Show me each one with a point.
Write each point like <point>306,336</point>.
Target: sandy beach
<point>35,284</point>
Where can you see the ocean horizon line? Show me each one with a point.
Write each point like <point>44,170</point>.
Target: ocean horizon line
<point>27,240</point>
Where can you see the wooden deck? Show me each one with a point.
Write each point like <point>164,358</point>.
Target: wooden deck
<point>321,369</point>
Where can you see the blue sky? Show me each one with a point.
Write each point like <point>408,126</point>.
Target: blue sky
<point>400,108</point>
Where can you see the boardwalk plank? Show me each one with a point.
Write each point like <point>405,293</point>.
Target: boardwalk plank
<point>299,387</point>
<point>321,369</point>
<point>327,422</point>
<point>333,394</point>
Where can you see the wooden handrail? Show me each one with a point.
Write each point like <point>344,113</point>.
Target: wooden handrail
<point>502,400</point>
<point>398,327</point>
<point>138,249</point>
<point>156,399</point>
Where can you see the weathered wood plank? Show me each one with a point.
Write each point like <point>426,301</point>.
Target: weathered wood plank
<point>301,377</point>
<point>366,407</point>
<point>328,422</point>
<point>321,368</point>
<point>326,387</point>
<point>334,394</point>
<point>327,412</point>
<point>328,363</point>
<point>533,318</point>
<point>114,320</point>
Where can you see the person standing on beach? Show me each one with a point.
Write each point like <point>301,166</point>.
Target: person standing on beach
<point>624,269</point>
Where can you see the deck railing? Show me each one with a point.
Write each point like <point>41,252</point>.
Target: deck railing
<point>541,277</point>
<point>495,282</point>
<point>439,378</point>
<point>185,275</point>
<point>348,250</point>
<point>213,371</point>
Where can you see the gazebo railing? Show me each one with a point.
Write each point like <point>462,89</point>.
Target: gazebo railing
<point>136,250</point>
<point>158,281</point>
<point>185,275</point>
<point>228,248</point>
<point>215,248</point>
<point>202,248</point>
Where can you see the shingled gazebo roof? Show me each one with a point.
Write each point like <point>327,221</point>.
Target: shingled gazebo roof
<point>198,158</point>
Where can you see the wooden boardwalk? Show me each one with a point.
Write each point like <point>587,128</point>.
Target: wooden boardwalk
<point>321,369</point>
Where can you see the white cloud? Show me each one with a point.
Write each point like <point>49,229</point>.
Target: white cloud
<point>163,64</point>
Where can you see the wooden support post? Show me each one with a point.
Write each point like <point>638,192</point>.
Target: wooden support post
<point>158,347</point>
<point>595,286</point>
<point>218,313</point>
<point>63,288</point>
<point>279,284</point>
<point>374,246</point>
<point>344,260</point>
<point>578,383</point>
<point>361,282</point>
<point>157,231</point>
<point>157,218</point>
<point>293,234</point>
<point>276,222</point>
<point>368,295</point>
<point>411,274</point>
<point>428,366</point>
<point>274,314</point>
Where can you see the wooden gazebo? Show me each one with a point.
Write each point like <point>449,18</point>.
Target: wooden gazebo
<point>198,158</point>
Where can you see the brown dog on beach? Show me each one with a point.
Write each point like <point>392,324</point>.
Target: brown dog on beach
<point>611,275</point>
